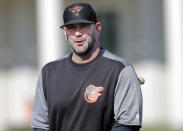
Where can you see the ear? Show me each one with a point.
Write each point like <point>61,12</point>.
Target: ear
<point>98,29</point>
<point>64,29</point>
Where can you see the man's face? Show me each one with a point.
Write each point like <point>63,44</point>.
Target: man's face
<point>82,37</point>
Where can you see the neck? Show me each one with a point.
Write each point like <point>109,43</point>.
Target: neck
<point>87,58</point>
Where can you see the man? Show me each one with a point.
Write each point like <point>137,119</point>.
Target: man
<point>90,89</point>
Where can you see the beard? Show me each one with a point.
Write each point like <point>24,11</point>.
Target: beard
<point>87,47</point>
<point>85,51</point>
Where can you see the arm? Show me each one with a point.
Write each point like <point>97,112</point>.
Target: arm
<point>40,110</point>
<point>120,127</point>
<point>38,129</point>
<point>127,101</point>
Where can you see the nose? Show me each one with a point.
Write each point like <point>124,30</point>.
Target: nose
<point>78,32</point>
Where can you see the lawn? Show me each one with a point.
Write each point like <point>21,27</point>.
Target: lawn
<point>161,128</point>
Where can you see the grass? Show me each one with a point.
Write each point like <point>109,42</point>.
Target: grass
<point>20,129</point>
<point>159,128</point>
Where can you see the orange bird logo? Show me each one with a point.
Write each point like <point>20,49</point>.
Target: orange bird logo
<point>92,93</point>
<point>75,10</point>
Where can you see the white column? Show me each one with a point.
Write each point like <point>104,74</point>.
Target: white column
<point>173,11</point>
<point>3,100</point>
<point>50,38</point>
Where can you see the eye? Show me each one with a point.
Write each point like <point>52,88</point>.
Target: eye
<point>70,27</point>
<point>84,25</point>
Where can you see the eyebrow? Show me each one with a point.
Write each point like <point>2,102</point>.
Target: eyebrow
<point>81,24</point>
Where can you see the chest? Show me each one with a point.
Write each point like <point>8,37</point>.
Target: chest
<point>92,87</point>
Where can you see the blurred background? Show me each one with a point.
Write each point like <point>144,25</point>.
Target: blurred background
<point>149,33</point>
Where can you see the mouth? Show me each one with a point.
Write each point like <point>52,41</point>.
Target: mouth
<point>80,42</point>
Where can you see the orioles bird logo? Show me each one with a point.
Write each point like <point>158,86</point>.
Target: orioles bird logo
<point>75,10</point>
<point>92,93</point>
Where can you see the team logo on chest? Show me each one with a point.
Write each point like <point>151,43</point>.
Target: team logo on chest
<point>92,93</point>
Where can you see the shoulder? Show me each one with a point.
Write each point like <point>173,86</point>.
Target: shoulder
<point>113,57</point>
<point>128,69</point>
<point>57,62</point>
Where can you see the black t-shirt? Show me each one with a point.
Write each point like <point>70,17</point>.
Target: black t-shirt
<point>81,97</point>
